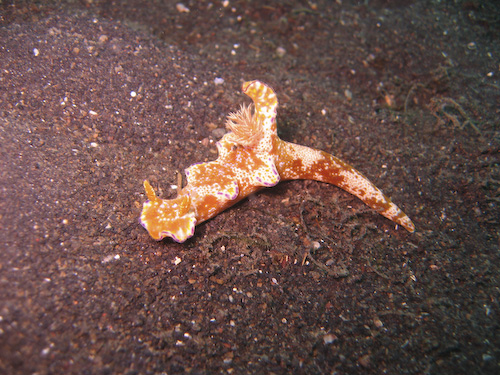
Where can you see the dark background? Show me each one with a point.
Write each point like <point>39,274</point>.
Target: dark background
<point>406,91</point>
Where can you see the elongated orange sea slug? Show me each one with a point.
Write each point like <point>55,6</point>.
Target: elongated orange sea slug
<point>252,157</point>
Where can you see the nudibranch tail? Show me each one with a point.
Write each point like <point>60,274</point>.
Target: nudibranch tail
<point>300,162</point>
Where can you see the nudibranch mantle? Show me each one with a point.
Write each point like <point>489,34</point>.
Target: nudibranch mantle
<point>252,157</point>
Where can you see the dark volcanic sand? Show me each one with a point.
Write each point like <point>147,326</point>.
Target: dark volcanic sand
<point>407,92</point>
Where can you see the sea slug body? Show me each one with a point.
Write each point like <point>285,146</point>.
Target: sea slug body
<point>252,157</point>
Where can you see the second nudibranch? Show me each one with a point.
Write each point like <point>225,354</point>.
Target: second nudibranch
<point>252,157</point>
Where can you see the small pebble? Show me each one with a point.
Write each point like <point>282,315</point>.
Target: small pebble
<point>364,361</point>
<point>103,39</point>
<point>219,132</point>
<point>378,323</point>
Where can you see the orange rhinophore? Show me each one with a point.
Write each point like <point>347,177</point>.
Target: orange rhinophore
<point>252,157</point>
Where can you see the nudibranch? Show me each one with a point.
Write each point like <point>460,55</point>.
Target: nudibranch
<point>253,157</point>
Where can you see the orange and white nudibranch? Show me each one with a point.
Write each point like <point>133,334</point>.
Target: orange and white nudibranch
<point>252,157</point>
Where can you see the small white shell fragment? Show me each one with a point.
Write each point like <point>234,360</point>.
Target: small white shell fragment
<point>280,51</point>
<point>181,8</point>
<point>348,94</point>
<point>329,338</point>
<point>109,258</point>
<point>36,52</point>
<point>218,81</point>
